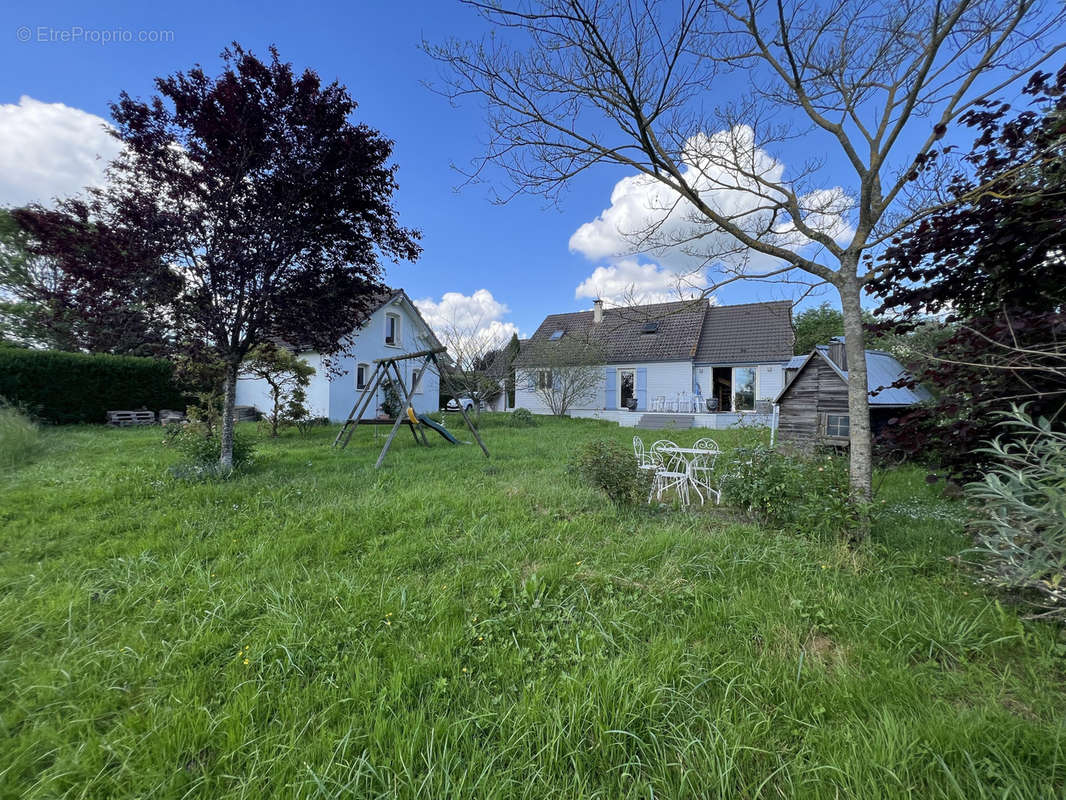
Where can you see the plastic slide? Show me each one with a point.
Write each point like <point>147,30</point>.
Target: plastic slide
<point>438,428</point>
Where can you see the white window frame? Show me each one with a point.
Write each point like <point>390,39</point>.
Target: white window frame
<point>397,330</point>
<point>824,425</point>
<point>755,389</point>
<point>544,380</point>
<point>360,382</point>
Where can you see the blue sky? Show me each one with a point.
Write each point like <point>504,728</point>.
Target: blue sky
<point>518,252</point>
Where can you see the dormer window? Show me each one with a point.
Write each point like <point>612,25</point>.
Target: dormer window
<point>392,330</point>
<point>557,335</point>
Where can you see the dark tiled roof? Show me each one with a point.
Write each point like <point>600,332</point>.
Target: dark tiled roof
<point>687,330</point>
<point>752,332</point>
<point>619,335</point>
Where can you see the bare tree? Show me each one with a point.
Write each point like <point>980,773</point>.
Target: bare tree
<point>473,345</point>
<point>562,373</point>
<point>695,97</point>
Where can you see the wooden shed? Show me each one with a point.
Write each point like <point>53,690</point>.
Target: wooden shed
<point>813,406</point>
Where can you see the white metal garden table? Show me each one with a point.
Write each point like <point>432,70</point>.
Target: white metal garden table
<point>696,458</point>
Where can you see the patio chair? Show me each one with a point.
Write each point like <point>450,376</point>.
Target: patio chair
<point>644,461</point>
<point>671,472</point>
<point>702,467</point>
<point>659,403</point>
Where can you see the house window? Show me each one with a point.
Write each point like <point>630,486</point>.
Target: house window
<point>744,388</point>
<point>544,379</point>
<point>392,330</point>
<point>556,335</point>
<point>836,426</point>
<point>360,376</point>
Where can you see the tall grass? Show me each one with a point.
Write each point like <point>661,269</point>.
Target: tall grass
<point>20,438</point>
<point>451,626</point>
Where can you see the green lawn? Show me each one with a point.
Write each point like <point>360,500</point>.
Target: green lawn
<point>451,627</point>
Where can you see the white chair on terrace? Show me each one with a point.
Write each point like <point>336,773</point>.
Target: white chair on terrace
<point>659,403</point>
<point>671,472</point>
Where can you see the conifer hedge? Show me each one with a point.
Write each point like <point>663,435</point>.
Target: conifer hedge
<point>77,387</point>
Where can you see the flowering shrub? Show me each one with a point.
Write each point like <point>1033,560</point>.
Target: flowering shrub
<point>807,493</point>
<point>610,466</point>
<point>1020,535</point>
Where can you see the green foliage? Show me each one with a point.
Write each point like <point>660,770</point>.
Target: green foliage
<point>390,403</point>
<point>75,387</point>
<point>816,326</point>
<point>1020,530</point>
<point>288,377</point>
<point>801,493</point>
<point>610,466</point>
<point>522,418</point>
<point>20,438</point>
<point>200,446</point>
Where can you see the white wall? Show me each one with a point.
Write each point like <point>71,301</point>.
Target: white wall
<point>335,396</point>
<point>256,391</point>
<point>663,378</point>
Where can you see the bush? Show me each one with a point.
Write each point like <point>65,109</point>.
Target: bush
<point>522,418</point>
<point>1020,536</point>
<point>20,438</point>
<point>202,447</point>
<point>805,492</point>
<point>610,466</point>
<point>76,387</point>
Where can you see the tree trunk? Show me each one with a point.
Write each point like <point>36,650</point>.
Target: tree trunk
<point>228,402</point>
<point>861,456</point>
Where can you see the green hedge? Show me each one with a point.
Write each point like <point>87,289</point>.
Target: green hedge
<point>75,387</point>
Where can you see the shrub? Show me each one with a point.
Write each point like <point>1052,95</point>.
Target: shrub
<point>808,493</point>
<point>76,387</point>
<point>610,466</point>
<point>201,446</point>
<point>1020,535</point>
<point>20,438</point>
<point>522,418</point>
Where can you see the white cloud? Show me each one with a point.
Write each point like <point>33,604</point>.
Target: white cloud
<point>50,150</point>
<point>628,282</point>
<point>719,167</point>
<point>470,325</point>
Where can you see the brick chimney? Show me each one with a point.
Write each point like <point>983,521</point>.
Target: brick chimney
<point>597,311</point>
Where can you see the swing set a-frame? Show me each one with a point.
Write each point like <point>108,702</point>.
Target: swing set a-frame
<point>386,370</point>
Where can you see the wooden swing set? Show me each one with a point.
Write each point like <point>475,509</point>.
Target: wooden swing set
<point>387,370</point>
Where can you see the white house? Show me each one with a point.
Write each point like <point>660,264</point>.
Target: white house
<point>394,327</point>
<point>698,364</point>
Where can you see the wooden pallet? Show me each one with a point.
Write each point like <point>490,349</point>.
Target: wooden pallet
<point>124,419</point>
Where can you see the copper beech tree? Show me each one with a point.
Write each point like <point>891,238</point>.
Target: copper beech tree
<point>701,100</point>
<point>258,191</point>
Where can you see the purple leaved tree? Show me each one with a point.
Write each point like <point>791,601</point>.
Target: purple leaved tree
<point>268,202</point>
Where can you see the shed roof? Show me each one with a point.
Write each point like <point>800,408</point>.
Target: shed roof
<point>882,370</point>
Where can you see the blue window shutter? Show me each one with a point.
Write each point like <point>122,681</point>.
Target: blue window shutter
<point>609,388</point>
<point>642,389</point>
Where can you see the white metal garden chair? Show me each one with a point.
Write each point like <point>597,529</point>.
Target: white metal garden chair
<point>644,461</point>
<point>701,468</point>
<point>671,472</point>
